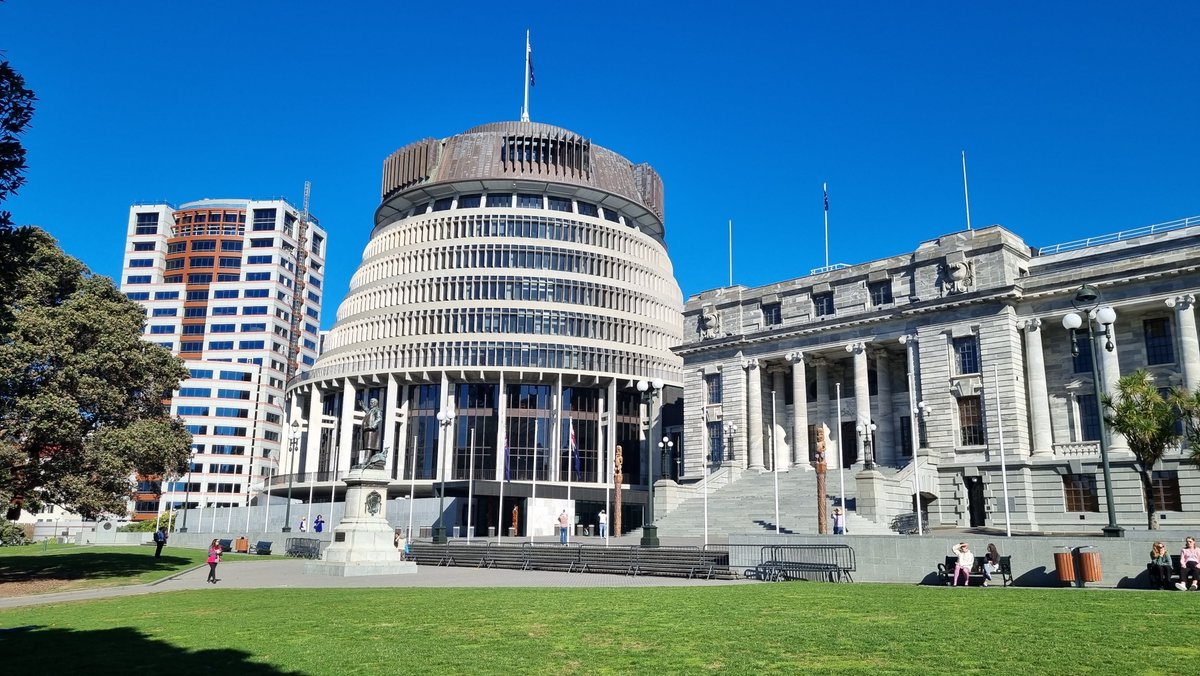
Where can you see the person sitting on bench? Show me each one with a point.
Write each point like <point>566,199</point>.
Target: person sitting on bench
<point>1160,566</point>
<point>1189,566</point>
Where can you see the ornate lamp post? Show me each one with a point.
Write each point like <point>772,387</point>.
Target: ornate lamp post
<point>293,443</point>
<point>665,448</point>
<point>1087,301</point>
<point>650,390</point>
<point>445,418</point>
<point>187,495</point>
<point>868,444</point>
<point>730,433</point>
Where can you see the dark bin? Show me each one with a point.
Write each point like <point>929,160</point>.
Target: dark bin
<point>1064,565</point>
<point>1089,564</point>
<point>491,531</point>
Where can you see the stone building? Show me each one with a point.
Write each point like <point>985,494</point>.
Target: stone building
<point>965,337</point>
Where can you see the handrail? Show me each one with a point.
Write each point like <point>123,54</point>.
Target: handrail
<point>828,268</point>
<point>1177,224</point>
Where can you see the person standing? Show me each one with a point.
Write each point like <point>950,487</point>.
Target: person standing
<point>963,564</point>
<point>303,525</point>
<point>318,524</point>
<point>562,527</point>
<point>839,521</point>
<point>1159,566</point>
<point>603,519</point>
<point>160,540</point>
<point>1189,565</point>
<point>214,557</point>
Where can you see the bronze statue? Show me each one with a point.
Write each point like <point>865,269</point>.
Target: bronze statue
<point>372,425</point>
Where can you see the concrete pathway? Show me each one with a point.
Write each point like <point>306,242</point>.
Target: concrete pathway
<point>289,574</point>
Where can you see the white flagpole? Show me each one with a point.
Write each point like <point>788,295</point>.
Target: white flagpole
<point>533,492</point>
<point>570,466</point>
<point>707,461</point>
<point>1003,466</point>
<point>525,108</point>
<point>841,454</point>
<point>825,193</point>
<point>267,513</point>
<point>471,486</point>
<point>310,500</point>
<point>775,460</point>
<point>412,496</point>
<point>912,406</point>
<point>966,195</point>
<point>610,472</point>
<point>731,252</point>
<point>503,477</point>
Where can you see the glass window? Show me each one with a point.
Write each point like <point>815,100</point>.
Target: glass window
<point>193,330</point>
<point>261,243</point>
<point>254,310</point>
<point>257,293</point>
<point>138,295</point>
<point>558,204</point>
<point>1159,345</point>
<point>226,412</point>
<point>221,328</point>
<point>251,345</point>
<point>966,352</point>
<point>233,394</point>
<point>141,262</point>
<point>224,311</point>
<point>220,344</point>
<point>712,383</point>
<point>225,293</point>
<point>469,201</point>
<point>587,209</point>
<point>1089,418</point>
<point>259,260</point>
<point>264,219</point>
<point>258,276</point>
<point>443,204</point>
<point>259,326</point>
<point>1079,490</point>
<point>240,376</point>
<point>200,278</point>
<point>772,314</point>
<point>611,215</point>
<point>1082,360</point>
<point>881,292</point>
<point>201,373</point>
<point>527,201</point>
<point>160,330</point>
<point>231,245</point>
<point>191,410</point>
<point>176,247</point>
<point>165,311</point>
<point>1165,487</point>
<point>201,261</point>
<point>970,422</point>
<point>499,200</point>
<point>195,391</point>
<point>137,279</point>
<point>143,246</point>
<point>823,304</point>
<point>204,245</point>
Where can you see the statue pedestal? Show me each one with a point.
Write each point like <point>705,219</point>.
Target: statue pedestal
<point>363,543</point>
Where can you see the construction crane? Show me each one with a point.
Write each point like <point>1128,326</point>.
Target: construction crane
<point>300,281</point>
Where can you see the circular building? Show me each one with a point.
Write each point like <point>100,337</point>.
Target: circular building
<point>515,288</point>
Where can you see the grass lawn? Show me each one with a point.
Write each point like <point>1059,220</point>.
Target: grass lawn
<point>39,569</point>
<point>746,629</point>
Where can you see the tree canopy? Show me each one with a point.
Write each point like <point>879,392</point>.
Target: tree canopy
<point>1147,420</point>
<point>82,396</point>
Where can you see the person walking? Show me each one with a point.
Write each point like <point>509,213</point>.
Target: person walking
<point>963,564</point>
<point>160,540</point>
<point>991,563</point>
<point>303,525</point>
<point>1159,566</point>
<point>1189,566</point>
<point>603,519</point>
<point>562,527</point>
<point>839,521</point>
<point>318,524</point>
<point>214,557</point>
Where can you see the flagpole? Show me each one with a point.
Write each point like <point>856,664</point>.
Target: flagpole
<point>471,485</point>
<point>412,497</point>
<point>825,191</point>
<point>707,461</point>
<point>731,252</point>
<point>533,492</point>
<point>500,509</point>
<point>1003,465</point>
<point>570,464</point>
<point>525,108</point>
<point>775,460</point>
<point>841,454</point>
<point>966,194</point>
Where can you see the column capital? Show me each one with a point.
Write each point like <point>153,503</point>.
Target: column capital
<point>877,352</point>
<point>856,347</point>
<point>909,338</point>
<point>1181,303</point>
<point>749,363</point>
<point>817,362</point>
<point>795,358</point>
<point>1029,324</point>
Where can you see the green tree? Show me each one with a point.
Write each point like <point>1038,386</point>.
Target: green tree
<point>1187,404</point>
<point>81,394</point>
<point>1147,420</point>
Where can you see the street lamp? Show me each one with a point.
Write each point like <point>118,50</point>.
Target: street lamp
<point>650,390</point>
<point>293,443</point>
<point>730,433</point>
<point>187,495</point>
<point>445,418</point>
<point>867,432</point>
<point>665,447</point>
<point>1087,301</point>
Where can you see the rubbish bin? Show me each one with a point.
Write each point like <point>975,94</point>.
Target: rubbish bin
<point>512,532</point>
<point>470,531</point>
<point>578,529</point>
<point>1064,565</point>
<point>456,531</point>
<point>491,531</point>
<point>557,528</point>
<point>1089,564</point>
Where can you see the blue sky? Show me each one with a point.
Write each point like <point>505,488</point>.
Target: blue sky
<point>1078,118</point>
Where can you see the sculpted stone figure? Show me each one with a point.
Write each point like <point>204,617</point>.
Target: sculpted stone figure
<point>709,324</point>
<point>372,424</point>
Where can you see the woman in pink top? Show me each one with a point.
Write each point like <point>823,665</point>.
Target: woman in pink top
<point>1189,566</point>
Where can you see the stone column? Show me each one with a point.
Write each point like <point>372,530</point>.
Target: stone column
<point>1111,367</point>
<point>779,445</point>
<point>883,408</point>
<point>754,435</point>
<point>1185,321</point>
<point>862,393</point>
<point>821,365</point>
<point>312,441</point>
<point>1039,398</point>
<point>346,432</point>
<point>909,341</point>
<point>799,411</point>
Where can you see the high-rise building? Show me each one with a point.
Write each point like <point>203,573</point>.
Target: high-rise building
<point>218,281</point>
<point>515,289</point>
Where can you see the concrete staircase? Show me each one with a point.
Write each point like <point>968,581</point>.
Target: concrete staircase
<point>747,505</point>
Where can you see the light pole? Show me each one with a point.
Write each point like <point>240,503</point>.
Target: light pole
<point>665,448</point>
<point>187,495</point>
<point>868,432</point>
<point>1087,300</point>
<point>730,433</point>
<point>650,390</point>
<point>293,443</point>
<point>445,418</point>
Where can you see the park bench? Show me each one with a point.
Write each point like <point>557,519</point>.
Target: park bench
<point>226,545</point>
<point>546,556</point>
<point>830,563</point>
<point>303,548</point>
<point>262,547</point>
<point>601,559</point>
<point>946,570</point>
<point>503,556</point>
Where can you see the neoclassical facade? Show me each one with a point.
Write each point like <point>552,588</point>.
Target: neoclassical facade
<point>956,350</point>
<point>515,288</point>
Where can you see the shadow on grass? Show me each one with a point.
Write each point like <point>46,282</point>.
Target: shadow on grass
<point>35,649</point>
<point>89,565</point>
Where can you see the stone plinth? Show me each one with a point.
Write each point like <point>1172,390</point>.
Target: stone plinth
<point>363,543</point>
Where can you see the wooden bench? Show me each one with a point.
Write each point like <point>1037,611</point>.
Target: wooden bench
<point>829,563</point>
<point>303,548</point>
<point>946,570</point>
<point>262,547</point>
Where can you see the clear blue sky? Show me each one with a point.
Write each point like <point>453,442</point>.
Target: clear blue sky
<point>1078,118</point>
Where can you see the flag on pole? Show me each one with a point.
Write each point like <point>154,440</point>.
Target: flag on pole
<point>575,451</point>
<point>825,189</point>
<point>529,56</point>
<point>507,468</point>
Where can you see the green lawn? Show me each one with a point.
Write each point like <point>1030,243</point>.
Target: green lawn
<point>774,628</point>
<point>53,568</point>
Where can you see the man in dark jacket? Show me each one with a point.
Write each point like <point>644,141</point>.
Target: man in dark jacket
<point>160,539</point>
